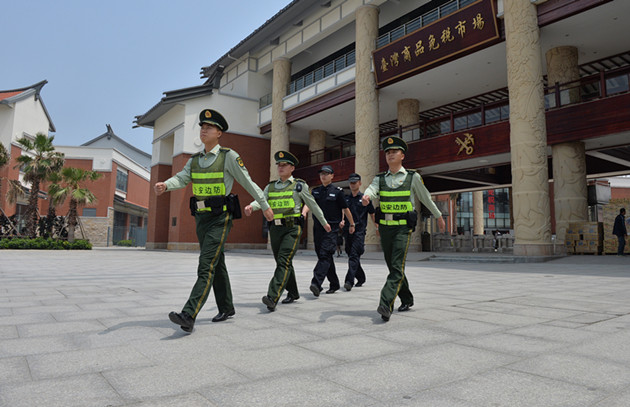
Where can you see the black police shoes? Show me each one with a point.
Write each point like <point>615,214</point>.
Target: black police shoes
<point>385,312</point>
<point>330,291</point>
<point>185,321</point>
<point>347,286</point>
<point>222,316</point>
<point>405,307</point>
<point>358,285</point>
<point>315,290</point>
<point>289,299</point>
<point>268,301</point>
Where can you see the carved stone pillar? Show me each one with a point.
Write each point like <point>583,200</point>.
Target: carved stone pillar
<point>279,126</point>
<point>477,212</point>
<point>528,134</point>
<point>366,105</point>
<point>317,142</point>
<point>407,114</point>
<point>569,159</point>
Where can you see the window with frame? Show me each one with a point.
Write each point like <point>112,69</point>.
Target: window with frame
<point>121,180</point>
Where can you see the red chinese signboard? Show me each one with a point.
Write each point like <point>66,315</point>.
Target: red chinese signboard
<point>469,29</point>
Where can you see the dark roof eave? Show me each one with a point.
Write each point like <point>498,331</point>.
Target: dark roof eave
<point>36,88</point>
<point>171,97</point>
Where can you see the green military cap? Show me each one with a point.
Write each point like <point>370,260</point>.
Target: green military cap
<point>213,117</point>
<point>286,157</point>
<point>394,142</point>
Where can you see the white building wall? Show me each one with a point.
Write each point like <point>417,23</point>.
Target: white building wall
<point>29,118</point>
<point>6,126</point>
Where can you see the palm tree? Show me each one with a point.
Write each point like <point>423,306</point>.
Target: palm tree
<point>38,163</point>
<point>72,179</point>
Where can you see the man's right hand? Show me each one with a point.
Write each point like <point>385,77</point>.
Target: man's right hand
<point>159,188</point>
<point>248,210</point>
<point>327,227</point>
<point>365,200</point>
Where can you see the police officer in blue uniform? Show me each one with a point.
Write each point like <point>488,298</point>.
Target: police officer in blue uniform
<point>331,200</point>
<point>355,243</point>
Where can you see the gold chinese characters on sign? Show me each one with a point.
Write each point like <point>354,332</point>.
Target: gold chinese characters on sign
<point>459,33</point>
<point>466,145</point>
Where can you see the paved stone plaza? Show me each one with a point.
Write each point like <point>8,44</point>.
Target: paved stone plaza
<point>91,329</point>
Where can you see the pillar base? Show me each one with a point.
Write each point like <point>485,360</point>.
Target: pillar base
<point>533,249</point>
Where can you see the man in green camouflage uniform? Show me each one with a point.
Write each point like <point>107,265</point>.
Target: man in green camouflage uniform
<point>397,219</point>
<point>286,197</point>
<point>212,173</point>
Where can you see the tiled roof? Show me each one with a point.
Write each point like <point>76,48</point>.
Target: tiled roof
<point>6,95</point>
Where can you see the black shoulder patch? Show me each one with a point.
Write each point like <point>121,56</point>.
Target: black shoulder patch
<point>412,171</point>
<point>298,186</point>
<point>381,173</point>
<point>226,149</point>
<point>199,154</point>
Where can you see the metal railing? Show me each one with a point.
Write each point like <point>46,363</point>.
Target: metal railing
<point>421,21</point>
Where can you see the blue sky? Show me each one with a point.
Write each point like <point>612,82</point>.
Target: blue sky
<point>108,61</point>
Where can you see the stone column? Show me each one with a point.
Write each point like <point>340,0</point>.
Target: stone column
<point>477,212</point>
<point>366,105</point>
<point>569,159</point>
<point>407,114</point>
<point>317,142</point>
<point>528,134</point>
<point>279,126</point>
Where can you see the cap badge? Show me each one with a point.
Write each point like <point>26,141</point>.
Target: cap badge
<point>208,114</point>
<point>281,154</point>
<point>390,141</point>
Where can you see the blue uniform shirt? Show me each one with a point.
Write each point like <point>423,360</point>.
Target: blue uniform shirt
<point>359,212</point>
<point>331,200</point>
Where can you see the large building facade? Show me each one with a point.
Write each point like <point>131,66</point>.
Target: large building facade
<point>527,98</point>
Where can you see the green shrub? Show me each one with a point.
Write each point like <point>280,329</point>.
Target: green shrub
<point>126,243</point>
<point>41,243</point>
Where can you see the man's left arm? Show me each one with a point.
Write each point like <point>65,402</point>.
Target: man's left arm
<point>423,194</point>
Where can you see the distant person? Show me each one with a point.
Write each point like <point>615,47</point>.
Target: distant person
<point>212,173</point>
<point>331,200</point>
<point>286,196</point>
<point>619,230</point>
<point>355,243</point>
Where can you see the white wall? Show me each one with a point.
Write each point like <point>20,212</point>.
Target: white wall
<point>29,118</point>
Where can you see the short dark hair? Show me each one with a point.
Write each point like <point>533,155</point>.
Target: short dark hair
<point>622,210</point>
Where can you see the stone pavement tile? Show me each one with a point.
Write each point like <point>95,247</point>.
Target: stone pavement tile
<point>188,400</point>
<point>611,325</point>
<point>332,328</point>
<point>565,324</point>
<point>460,360</point>
<point>386,378</point>
<point>58,328</point>
<point>353,347</point>
<point>45,309</point>
<point>26,319</point>
<point>427,398</point>
<point>467,327</point>
<point>79,391</point>
<point>97,305</point>
<point>34,346</point>
<point>507,320</point>
<point>621,399</point>
<point>504,387</point>
<point>8,332</point>
<point>554,333</point>
<point>262,338</point>
<point>273,360</point>
<point>613,347</point>
<point>416,336</point>
<point>6,312</point>
<point>171,379</point>
<point>80,362</point>
<point>517,345</point>
<point>302,390</point>
<point>14,370</point>
<point>84,315</point>
<point>590,318</point>
<point>571,368</point>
